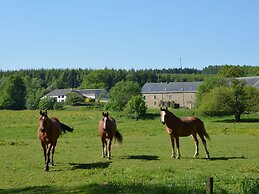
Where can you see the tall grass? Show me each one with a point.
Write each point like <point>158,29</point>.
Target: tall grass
<point>142,164</point>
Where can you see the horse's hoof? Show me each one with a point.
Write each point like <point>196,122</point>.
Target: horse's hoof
<point>46,168</point>
<point>208,156</point>
<point>195,155</point>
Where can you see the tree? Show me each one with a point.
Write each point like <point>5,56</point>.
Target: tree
<point>47,103</point>
<point>234,99</point>
<point>208,85</point>
<point>217,102</point>
<point>121,93</point>
<point>136,107</point>
<point>13,93</point>
<point>230,71</point>
<point>74,98</point>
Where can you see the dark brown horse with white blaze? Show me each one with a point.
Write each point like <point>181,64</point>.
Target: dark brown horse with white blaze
<point>49,131</point>
<point>179,127</point>
<point>107,130</point>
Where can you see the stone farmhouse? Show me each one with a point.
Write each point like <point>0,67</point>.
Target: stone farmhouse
<point>166,94</point>
<point>61,94</point>
<point>182,93</point>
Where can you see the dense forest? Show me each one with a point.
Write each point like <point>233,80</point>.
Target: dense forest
<point>31,84</point>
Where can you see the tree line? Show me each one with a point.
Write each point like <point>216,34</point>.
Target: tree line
<point>23,89</point>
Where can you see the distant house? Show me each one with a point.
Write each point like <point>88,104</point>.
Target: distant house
<point>61,94</point>
<point>166,94</point>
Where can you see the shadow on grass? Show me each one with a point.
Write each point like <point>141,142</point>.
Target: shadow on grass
<point>109,188</point>
<point>90,165</point>
<point>245,120</point>
<point>36,189</point>
<point>152,116</point>
<point>141,157</point>
<point>225,158</point>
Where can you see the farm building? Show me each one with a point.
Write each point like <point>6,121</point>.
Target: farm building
<point>179,93</point>
<point>61,94</point>
<point>170,94</point>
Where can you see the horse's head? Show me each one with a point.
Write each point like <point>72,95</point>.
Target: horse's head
<point>43,120</point>
<point>163,114</point>
<point>105,120</point>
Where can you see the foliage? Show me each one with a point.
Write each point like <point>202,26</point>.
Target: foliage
<point>217,102</point>
<point>13,93</point>
<point>208,85</point>
<point>121,93</point>
<point>47,103</point>
<point>252,99</point>
<point>229,71</point>
<point>136,107</point>
<point>234,99</point>
<point>74,98</point>
<point>39,82</point>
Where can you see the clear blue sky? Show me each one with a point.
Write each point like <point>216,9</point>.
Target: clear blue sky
<point>139,34</point>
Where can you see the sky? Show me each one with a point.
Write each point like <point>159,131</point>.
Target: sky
<point>126,34</point>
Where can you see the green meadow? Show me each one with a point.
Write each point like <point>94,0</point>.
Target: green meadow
<point>141,164</point>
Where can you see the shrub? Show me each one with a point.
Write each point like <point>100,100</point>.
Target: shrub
<point>136,107</point>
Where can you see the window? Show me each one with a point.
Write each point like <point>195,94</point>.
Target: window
<point>170,97</point>
<point>154,97</point>
<point>154,103</point>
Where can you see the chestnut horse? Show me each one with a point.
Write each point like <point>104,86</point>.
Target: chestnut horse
<point>107,130</point>
<point>49,131</point>
<point>179,127</point>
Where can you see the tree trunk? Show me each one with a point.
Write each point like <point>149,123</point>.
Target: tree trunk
<point>237,117</point>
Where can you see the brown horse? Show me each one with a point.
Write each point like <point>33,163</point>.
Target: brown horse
<point>107,130</point>
<point>178,127</point>
<point>49,131</point>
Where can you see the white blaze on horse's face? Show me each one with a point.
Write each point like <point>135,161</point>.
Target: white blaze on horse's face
<point>42,122</point>
<point>104,123</point>
<point>163,117</point>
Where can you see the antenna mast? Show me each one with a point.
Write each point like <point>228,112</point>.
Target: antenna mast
<point>182,81</point>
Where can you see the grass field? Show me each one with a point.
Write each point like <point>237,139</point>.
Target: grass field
<point>142,164</point>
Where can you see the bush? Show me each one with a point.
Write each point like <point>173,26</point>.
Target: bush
<point>136,107</point>
<point>74,98</point>
<point>47,103</point>
<point>217,102</point>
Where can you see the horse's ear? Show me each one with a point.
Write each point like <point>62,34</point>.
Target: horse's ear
<point>103,113</point>
<point>166,108</point>
<point>46,112</point>
<point>107,113</point>
<point>41,112</point>
<point>161,108</point>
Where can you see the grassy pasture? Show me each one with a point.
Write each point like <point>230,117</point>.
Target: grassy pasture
<point>142,164</point>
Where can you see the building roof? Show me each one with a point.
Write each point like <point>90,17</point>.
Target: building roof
<point>85,92</point>
<point>252,81</point>
<point>167,87</point>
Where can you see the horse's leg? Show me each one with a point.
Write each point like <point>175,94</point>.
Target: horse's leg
<point>205,146</point>
<point>52,156</point>
<point>173,150</point>
<point>104,148</point>
<point>47,158</point>
<point>196,142</point>
<point>109,148</point>
<point>44,151</point>
<point>178,148</point>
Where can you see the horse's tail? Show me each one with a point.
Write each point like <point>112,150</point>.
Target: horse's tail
<point>65,128</point>
<point>118,136</point>
<point>205,133</point>
<point>203,130</point>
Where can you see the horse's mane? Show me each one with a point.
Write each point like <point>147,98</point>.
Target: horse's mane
<point>172,114</point>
